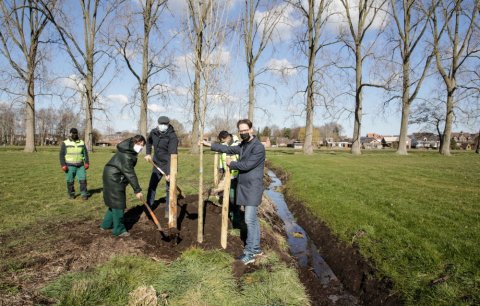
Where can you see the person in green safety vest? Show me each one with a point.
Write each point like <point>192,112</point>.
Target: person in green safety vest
<point>228,139</point>
<point>74,162</point>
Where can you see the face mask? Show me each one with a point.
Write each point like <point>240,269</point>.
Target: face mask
<point>245,136</point>
<point>162,127</point>
<point>137,148</point>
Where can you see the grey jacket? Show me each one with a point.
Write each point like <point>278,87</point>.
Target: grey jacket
<point>250,166</point>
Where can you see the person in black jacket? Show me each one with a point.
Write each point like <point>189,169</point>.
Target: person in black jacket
<point>250,183</point>
<point>117,174</point>
<point>164,142</point>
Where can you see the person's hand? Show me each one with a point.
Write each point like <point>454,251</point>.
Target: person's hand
<point>204,142</point>
<point>148,158</point>
<point>140,197</point>
<point>86,166</point>
<point>65,169</point>
<point>221,171</point>
<point>167,177</point>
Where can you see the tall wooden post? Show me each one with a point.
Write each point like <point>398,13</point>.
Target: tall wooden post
<point>172,197</point>
<point>215,170</point>
<point>226,203</point>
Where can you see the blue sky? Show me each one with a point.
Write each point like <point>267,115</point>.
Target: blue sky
<point>277,102</point>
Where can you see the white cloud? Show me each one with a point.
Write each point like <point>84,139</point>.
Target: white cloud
<point>287,21</point>
<point>281,67</point>
<point>338,18</point>
<point>72,82</point>
<point>118,99</point>
<point>155,108</point>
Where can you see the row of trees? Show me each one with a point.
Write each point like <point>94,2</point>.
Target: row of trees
<point>425,38</point>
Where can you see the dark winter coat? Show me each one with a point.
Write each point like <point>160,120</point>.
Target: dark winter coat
<point>118,173</point>
<point>164,144</point>
<point>250,166</point>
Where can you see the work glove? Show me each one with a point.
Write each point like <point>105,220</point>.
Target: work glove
<point>148,158</point>
<point>65,169</point>
<point>86,166</point>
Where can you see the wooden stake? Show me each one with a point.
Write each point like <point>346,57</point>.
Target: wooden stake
<point>215,170</point>
<point>226,203</point>
<point>172,197</point>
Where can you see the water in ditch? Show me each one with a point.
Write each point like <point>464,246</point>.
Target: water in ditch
<point>301,247</point>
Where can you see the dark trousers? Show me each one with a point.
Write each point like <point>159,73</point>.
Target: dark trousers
<point>152,189</point>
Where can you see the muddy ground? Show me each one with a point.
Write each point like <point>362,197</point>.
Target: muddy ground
<point>82,246</point>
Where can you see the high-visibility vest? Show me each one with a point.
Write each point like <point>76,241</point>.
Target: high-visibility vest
<point>74,151</point>
<point>223,158</point>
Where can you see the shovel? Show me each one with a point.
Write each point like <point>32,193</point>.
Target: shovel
<point>173,234</point>
<point>180,193</point>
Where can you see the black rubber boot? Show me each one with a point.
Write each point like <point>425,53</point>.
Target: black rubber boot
<point>83,190</point>
<point>71,190</point>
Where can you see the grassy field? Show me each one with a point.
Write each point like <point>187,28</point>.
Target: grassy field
<point>416,217</point>
<point>33,198</point>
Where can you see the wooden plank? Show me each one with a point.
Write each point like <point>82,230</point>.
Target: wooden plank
<point>226,203</point>
<point>172,197</point>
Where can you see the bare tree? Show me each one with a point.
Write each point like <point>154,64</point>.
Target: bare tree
<point>207,30</point>
<point>153,59</point>
<point>7,124</point>
<point>353,38</point>
<point>84,50</point>
<point>411,20</point>
<point>316,16</point>
<point>257,30</point>
<point>22,27</point>
<point>454,22</point>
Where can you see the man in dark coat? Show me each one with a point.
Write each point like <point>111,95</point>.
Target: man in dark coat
<point>117,174</point>
<point>164,142</point>
<point>250,183</point>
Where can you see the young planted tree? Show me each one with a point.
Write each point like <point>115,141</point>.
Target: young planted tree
<point>153,56</point>
<point>358,27</point>
<point>411,20</point>
<point>207,28</point>
<point>454,23</point>
<point>85,49</point>
<point>257,31</point>
<point>316,16</point>
<point>21,29</point>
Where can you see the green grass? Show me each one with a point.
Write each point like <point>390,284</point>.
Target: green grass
<point>33,200</point>
<point>420,213</point>
<point>196,278</point>
<point>33,188</point>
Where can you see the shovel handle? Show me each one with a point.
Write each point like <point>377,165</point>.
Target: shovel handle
<point>155,220</point>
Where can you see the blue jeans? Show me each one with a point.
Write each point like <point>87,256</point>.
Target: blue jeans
<point>152,189</point>
<point>253,230</point>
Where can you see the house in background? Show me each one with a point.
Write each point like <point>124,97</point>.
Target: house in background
<point>370,143</point>
<point>265,140</point>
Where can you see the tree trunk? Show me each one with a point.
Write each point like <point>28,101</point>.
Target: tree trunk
<point>196,93</point>
<point>477,150</point>
<point>143,107</point>
<point>447,132</point>
<point>307,146</point>
<point>89,111</point>
<point>356,146</point>
<point>402,142</point>
<point>30,107</point>
<point>251,90</point>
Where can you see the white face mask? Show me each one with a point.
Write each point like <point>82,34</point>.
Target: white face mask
<point>162,127</point>
<point>138,148</point>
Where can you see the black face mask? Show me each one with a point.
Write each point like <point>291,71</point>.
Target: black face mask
<point>245,136</point>
<point>74,136</point>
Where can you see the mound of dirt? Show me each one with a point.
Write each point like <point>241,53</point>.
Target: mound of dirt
<point>82,245</point>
